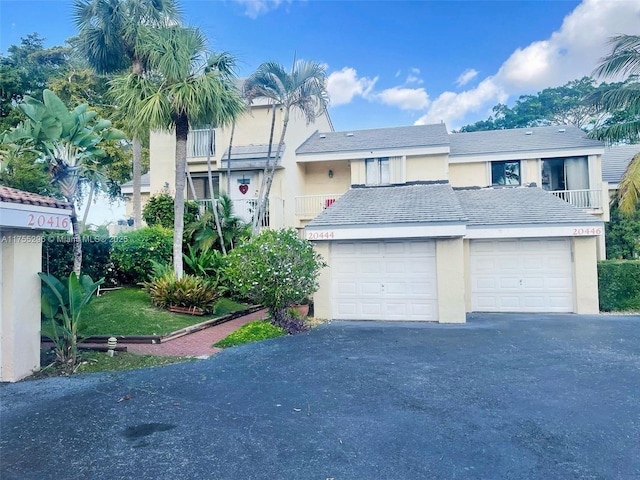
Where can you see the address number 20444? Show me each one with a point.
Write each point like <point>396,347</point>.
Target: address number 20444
<point>320,235</point>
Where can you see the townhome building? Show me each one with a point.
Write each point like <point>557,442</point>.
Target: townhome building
<point>416,223</point>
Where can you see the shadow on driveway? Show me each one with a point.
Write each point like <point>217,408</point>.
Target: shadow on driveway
<point>503,396</point>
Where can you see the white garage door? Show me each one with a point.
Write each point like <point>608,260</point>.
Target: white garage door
<point>384,280</point>
<point>530,275</point>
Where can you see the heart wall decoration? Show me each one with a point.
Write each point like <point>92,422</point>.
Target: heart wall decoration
<point>243,188</point>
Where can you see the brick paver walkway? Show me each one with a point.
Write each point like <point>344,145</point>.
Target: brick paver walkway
<point>198,343</point>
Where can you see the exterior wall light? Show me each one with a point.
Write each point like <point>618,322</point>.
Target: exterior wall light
<point>330,173</point>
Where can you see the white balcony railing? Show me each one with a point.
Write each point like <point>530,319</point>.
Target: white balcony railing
<point>200,144</point>
<point>309,206</point>
<point>585,199</point>
<point>245,208</point>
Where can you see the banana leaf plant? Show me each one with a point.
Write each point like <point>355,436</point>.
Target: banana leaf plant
<point>62,303</point>
<point>68,142</point>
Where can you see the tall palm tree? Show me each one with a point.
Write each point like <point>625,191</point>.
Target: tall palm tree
<point>108,35</point>
<point>185,88</point>
<point>624,59</point>
<point>304,89</point>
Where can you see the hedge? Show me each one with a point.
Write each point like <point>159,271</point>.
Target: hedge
<point>619,285</point>
<point>132,253</point>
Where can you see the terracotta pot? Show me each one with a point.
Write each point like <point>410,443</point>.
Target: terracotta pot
<point>303,310</point>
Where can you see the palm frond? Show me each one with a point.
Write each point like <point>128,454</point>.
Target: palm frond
<point>624,57</point>
<point>629,188</point>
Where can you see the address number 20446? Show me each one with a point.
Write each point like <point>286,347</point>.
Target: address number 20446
<point>587,231</point>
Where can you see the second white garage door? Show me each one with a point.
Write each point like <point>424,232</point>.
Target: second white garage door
<point>384,280</point>
<point>527,275</point>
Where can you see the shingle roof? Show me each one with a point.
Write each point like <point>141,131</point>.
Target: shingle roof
<point>13,195</point>
<point>615,161</point>
<point>424,203</point>
<point>145,181</point>
<point>518,206</point>
<point>242,152</point>
<point>517,140</point>
<point>378,138</point>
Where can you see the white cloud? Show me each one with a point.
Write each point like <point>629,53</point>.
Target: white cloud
<point>255,8</point>
<point>466,76</point>
<point>569,53</point>
<point>404,98</point>
<point>413,77</point>
<point>344,84</point>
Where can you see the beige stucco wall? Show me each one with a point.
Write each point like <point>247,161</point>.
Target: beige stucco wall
<point>21,257</point>
<point>128,204</point>
<point>317,181</point>
<point>531,171</point>
<point>162,154</point>
<point>427,168</point>
<point>451,280</point>
<point>585,274</point>
<point>468,174</point>
<point>322,298</point>
<point>466,252</point>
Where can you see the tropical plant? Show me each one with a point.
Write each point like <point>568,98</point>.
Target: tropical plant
<point>304,89</point>
<point>187,91</point>
<point>210,264</point>
<point>159,211</point>
<point>204,233</point>
<point>624,59</point>
<point>68,142</point>
<point>275,269</point>
<point>188,292</point>
<point>108,36</point>
<point>62,303</point>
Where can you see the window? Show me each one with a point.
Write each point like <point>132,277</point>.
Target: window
<point>505,173</point>
<point>570,173</point>
<point>377,171</point>
<point>201,185</point>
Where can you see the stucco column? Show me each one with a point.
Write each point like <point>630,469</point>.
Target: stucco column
<point>322,298</point>
<point>20,305</point>
<point>451,282</point>
<point>585,274</point>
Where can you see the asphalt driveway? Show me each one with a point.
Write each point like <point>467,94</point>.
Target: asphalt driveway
<point>504,396</point>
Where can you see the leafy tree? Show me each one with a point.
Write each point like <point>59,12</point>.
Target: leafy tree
<point>109,33</point>
<point>67,141</point>
<point>304,89</point>
<point>21,170</point>
<point>275,269</point>
<point>622,235</point>
<point>624,101</point>
<point>187,91</point>
<point>565,105</point>
<point>27,70</point>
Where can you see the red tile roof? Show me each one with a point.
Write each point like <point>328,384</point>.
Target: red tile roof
<point>13,195</point>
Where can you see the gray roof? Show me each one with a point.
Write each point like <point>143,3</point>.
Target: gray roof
<point>517,140</point>
<point>407,204</point>
<point>615,160</point>
<point>145,181</point>
<point>518,206</point>
<point>243,152</point>
<point>378,138</point>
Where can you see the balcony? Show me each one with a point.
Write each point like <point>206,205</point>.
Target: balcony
<point>309,206</point>
<point>584,199</point>
<point>244,208</point>
<point>200,143</point>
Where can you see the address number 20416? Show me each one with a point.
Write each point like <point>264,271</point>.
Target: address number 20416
<point>47,221</point>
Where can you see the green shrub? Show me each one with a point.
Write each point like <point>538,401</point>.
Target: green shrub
<point>619,285</point>
<point>133,253</point>
<point>622,235</point>
<point>210,264</point>
<point>189,291</point>
<point>251,332</point>
<point>276,269</point>
<point>158,211</point>
<point>57,256</point>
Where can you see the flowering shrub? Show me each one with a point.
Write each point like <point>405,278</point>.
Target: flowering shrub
<point>275,269</point>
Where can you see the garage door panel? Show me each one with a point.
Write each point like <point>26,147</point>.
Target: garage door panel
<point>384,280</point>
<point>528,275</point>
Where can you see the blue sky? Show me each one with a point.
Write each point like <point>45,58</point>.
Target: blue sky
<point>393,63</point>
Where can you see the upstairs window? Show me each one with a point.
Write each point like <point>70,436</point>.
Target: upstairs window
<point>377,171</point>
<point>505,173</point>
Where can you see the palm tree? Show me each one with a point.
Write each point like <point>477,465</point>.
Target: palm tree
<point>204,231</point>
<point>108,35</point>
<point>185,88</point>
<point>304,88</point>
<point>624,59</point>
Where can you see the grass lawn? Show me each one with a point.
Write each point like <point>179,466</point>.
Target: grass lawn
<point>129,311</point>
<point>101,362</point>
<point>251,332</point>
